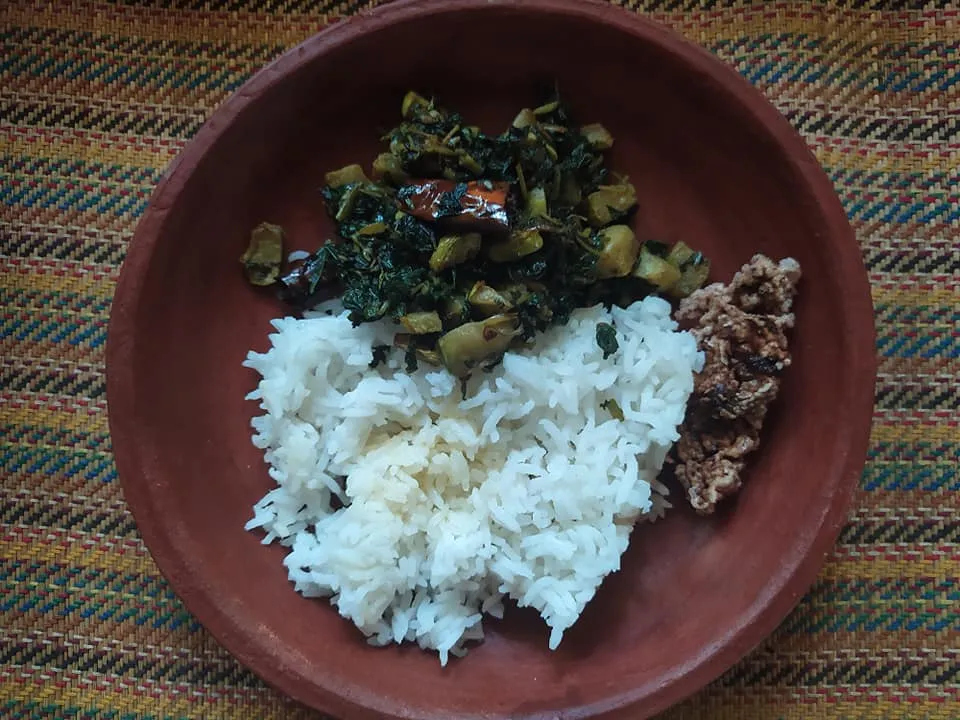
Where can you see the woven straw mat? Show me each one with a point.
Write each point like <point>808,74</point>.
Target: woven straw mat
<point>95,100</point>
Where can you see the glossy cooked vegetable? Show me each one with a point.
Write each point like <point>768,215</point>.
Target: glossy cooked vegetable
<point>453,250</point>
<point>467,346</point>
<point>264,255</point>
<point>619,249</point>
<point>476,242</point>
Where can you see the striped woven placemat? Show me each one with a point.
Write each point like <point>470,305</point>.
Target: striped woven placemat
<point>96,97</point>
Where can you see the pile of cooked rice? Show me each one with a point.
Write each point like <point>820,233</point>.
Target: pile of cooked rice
<point>417,511</point>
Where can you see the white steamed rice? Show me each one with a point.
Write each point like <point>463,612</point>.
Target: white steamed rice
<point>527,489</point>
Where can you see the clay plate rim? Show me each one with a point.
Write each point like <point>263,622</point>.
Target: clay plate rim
<point>247,644</point>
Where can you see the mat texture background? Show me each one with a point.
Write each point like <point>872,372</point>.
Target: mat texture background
<point>97,97</point>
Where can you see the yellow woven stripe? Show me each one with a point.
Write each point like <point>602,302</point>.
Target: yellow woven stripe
<point>940,431</point>
<point>914,296</point>
<point>43,279</point>
<point>64,551</point>
<point>910,565</point>
<point>870,157</point>
<point>41,143</point>
<point>40,416</point>
<point>95,690</point>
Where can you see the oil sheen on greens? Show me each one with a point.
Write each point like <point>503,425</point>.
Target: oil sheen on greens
<point>473,243</point>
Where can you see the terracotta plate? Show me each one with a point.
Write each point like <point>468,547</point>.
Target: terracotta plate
<point>714,164</point>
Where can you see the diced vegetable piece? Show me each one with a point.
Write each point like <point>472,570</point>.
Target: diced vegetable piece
<point>372,229</point>
<point>619,249</point>
<point>431,357</point>
<point>347,203</point>
<point>515,293</point>
<point>346,175</point>
<point>520,244</point>
<point>264,255</point>
<point>413,351</point>
<point>455,311</point>
<point>693,276</point>
<point>525,118</point>
<point>609,202</point>
<point>656,271</point>
<point>547,108</point>
<point>680,254</point>
<point>387,166</point>
<point>413,104</point>
<point>422,323</point>
<point>597,136</point>
<point>487,301</point>
<point>537,203</point>
<point>613,407</point>
<point>464,348</point>
<point>453,250</point>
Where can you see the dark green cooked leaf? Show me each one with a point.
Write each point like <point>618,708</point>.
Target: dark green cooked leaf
<point>607,339</point>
